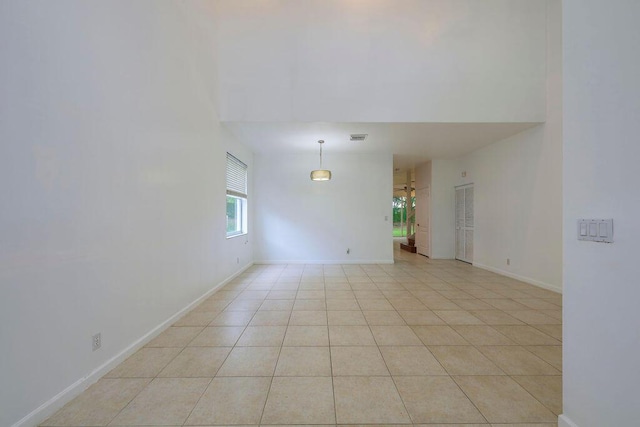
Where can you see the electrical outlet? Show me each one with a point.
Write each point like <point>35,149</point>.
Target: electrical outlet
<point>508,261</point>
<point>96,341</point>
<point>348,251</point>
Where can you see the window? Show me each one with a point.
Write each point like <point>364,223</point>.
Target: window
<point>236,197</point>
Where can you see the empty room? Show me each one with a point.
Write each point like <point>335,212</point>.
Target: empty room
<point>319,212</point>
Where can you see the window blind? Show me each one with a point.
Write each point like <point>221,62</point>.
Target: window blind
<point>236,177</point>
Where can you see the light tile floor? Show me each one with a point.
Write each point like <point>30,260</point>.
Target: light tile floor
<point>421,342</point>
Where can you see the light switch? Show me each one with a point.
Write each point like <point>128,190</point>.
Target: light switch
<point>596,230</point>
<point>602,228</point>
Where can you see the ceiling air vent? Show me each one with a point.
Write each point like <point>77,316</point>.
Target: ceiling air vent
<point>358,136</point>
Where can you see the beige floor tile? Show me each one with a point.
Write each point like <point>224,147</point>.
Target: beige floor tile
<point>346,317</point>
<point>464,360</point>
<point>304,361</point>
<point>552,354</point>
<point>439,335</point>
<point>536,303</point>
<point>250,361</point>
<point>455,295</point>
<point>306,294</point>
<point>525,425</point>
<point>302,400</point>
<point>495,317</point>
<point>533,317</point>
<point>342,304</point>
<point>196,362</point>
<point>473,304</point>
<point>308,318</point>
<point>368,400</point>
<point>253,294</point>
<point>350,335</point>
<point>357,361</point>
<point>277,305</point>
<point>436,400</point>
<point>339,294</point>
<point>526,335</point>
<point>516,360</point>
<point>411,360</point>
<point>364,294</point>
<point>99,404</point>
<point>547,389</point>
<point>554,331</point>
<point>244,305</point>
<point>556,313</point>
<point>312,286</point>
<point>421,318</point>
<point>270,318</point>
<point>505,304</point>
<point>303,336</point>
<point>384,318</point>
<point>407,304</point>
<point>342,285</point>
<point>217,336</point>
<point>197,318</point>
<point>234,400</point>
<point>262,336</point>
<point>375,304</point>
<point>482,335</point>
<point>439,304</point>
<point>165,401</point>
<point>395,335</point>
<point>501,400</point>
<point>309,304</point>
<point>456,425</point>
<point>395,294</point>
<point>213,305</point>
<point>281,294</point>
<point>175,336</point>
<point>232,318</point>
<point>458,317</point>
<point>146,362</point>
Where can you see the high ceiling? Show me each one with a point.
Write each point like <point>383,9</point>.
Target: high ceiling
<point>410,143</point>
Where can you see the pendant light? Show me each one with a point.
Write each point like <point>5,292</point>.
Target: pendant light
<point>320,174</point>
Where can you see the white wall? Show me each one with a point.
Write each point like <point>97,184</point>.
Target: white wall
<point>445,174</point>
<point>382,61</point>
<point>301,221</point>
<point>423,175</point>
<point>517,190</point>
<point>113,185</point>
<point>601,152</point>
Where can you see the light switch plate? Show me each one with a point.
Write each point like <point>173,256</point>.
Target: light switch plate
<point>595,230</point>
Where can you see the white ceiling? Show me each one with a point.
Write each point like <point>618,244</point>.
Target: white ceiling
<point>410,143</point>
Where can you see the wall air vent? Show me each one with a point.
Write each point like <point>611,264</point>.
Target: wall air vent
<point>358,136</point>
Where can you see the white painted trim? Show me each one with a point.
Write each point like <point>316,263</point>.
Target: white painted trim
<point>564,421</point>
<point>529,280</point>
<point>315,261</point>
<point>51,406</point>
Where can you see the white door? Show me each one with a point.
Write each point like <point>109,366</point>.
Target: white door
<point>464,223</point>
<point>423,233</point>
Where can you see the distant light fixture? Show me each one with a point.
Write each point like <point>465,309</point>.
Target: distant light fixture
<point>320,174</point>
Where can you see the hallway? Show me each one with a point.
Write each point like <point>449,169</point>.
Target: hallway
<point>418,342</point>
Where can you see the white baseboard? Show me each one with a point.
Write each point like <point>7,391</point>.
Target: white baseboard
<point>51,406</point>
<point>325,261</point>
<point>564,421</point>
<point>529,280</point>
